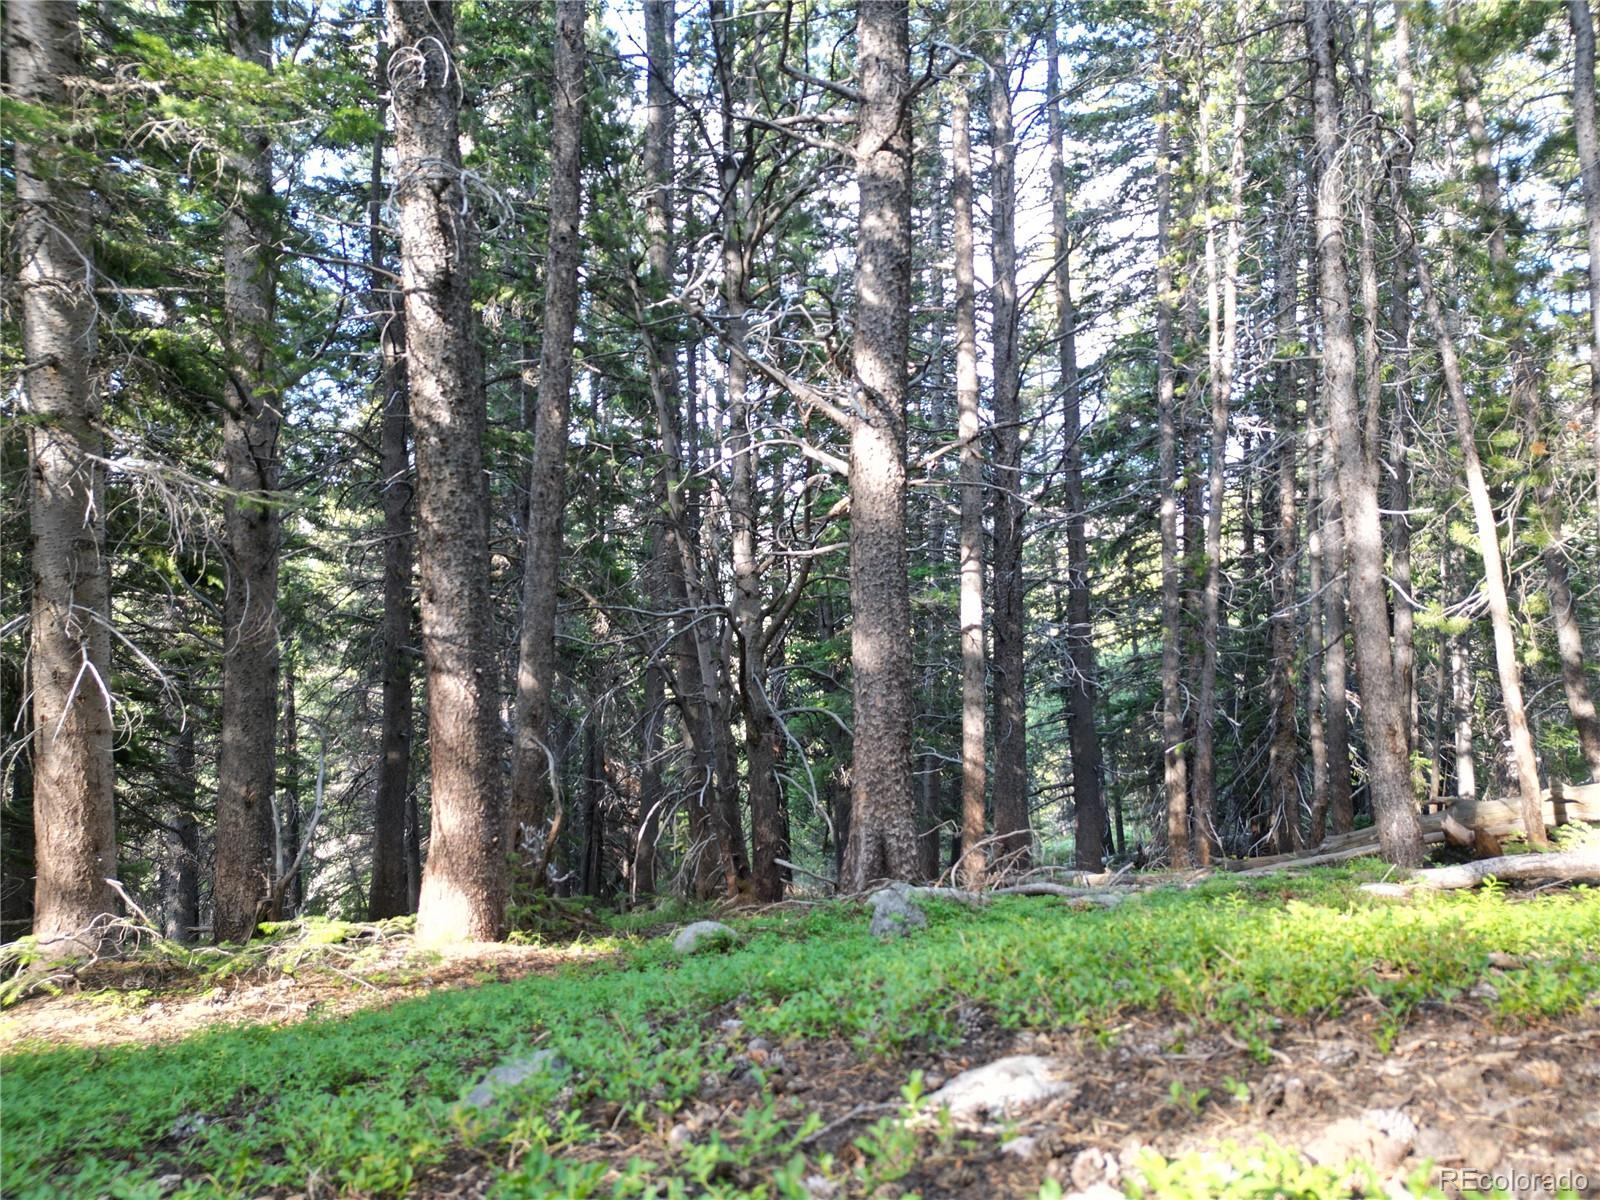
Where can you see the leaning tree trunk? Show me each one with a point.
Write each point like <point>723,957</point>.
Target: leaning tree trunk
<point>1494,578</point>
<point>1175,768</point>
<point>1081,688</point>
<point>533,766</point>
<point>75,837</point>
<point>973,863</point>
<point>1394,813</point>
<point>1525,388</point>
<point>1010,616</point>
<point>882,841</point>
<point>390,894</point>
<point>251,416</point>
<point>1588,138</point>
<point>463,883</point>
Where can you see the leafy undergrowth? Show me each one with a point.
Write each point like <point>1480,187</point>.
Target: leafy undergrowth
<point>372,1103</point>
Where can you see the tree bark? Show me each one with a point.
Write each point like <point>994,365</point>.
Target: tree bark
<point>1011,831</point>
<point>974,692</point>
<point>1175,768</point>
<point>251,416</point>
<point>1394,812</point>
<point>534,774</point>
<point>1221,386</point>
<point>463,883</point>
<point>180,864</point>
<point>1082,687</point>
<point>1588,139</point>
<point>882,831</point>
<point>390,894</point>
<point>75,837</point>
<point>1462,705</point>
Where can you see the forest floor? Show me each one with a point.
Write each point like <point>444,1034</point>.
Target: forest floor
<point>1287,1035</point>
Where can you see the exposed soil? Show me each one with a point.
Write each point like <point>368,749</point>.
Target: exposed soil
<point>1467,1095</point>
<point>140,1001</point>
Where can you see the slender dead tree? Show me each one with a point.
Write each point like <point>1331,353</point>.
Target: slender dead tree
<point>69,649</point>
<point>1588,138</point>
<point>882,838</point>
<point>463,883</point>
<point>533,764</point>
<point>1175,765</point>
<point>973,865</point>
<point>1394,813</point>
<point>251,417</point>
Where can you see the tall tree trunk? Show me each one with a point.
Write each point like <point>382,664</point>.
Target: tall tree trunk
<point>390,895</point>
<point>760,723</point>
<point>1399,464</point>
<point>1588,138</point>
<point>1284,750</point>
<point>463,884</point>
<point>1012,838</point>
<point>1082,687</point>
<point>882,830</point>
<point>1221,386</point>
<point>1175,768</point>
<point>75,836</point>
<point>1335,661</point>
<point>287,894</point>
<point>533,765</point>
<point>974,692</point>
<point>1394,813</point>
<point>251,416</point>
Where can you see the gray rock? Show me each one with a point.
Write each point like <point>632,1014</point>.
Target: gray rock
<point>700,935</point>
<point>510,1073</point>
<point>1024,1148</point>
<point>894,911</point>
<point>1003,1088</point>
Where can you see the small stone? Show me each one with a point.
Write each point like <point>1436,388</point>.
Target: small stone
<point>731,1025</point>
<point>702,935</point>
<point>509,1074</point>
<point>893,912</point>
<point>1022,1147</point>
<point>1094,1166</point>
<point>1501,961</point>
<point>1005,1087</point>
<point>679,1136</point>
<point>758,1044</point>
<point>820,1187</point>
<point>932,1081</point>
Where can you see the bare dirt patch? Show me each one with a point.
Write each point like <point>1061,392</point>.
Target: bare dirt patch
<point>140,1001</point>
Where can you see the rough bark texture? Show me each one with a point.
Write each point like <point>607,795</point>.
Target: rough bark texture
<point>463,884</point>
<point>1335,660</point>
<point>1588,139</point>
<point>75,842</point>
<point>251,416</point>
<point>1175,768</point>
<point>882,840</point>
<point>1394,814</point>
<point>1012,839</point>
<point>1082,685</point>
<point>180,862</point>
<point>390,893</point>
<point>970,599</point>
<point>533,765</point>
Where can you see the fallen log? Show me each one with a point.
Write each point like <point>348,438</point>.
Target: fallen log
<point>1568,866</point>
<point>1099,895</point>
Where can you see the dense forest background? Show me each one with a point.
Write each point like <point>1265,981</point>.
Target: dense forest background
<point>454,451</point>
